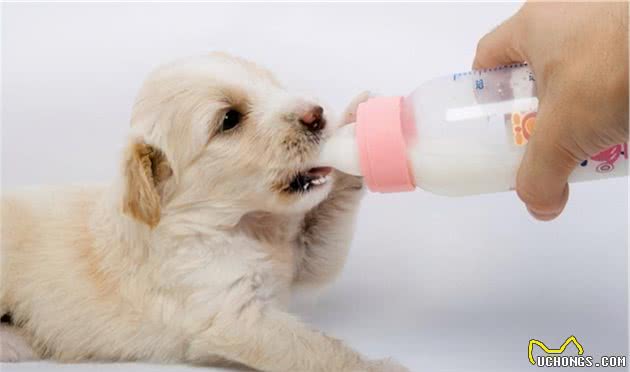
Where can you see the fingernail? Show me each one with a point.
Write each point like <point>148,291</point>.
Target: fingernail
<point>542,216</point>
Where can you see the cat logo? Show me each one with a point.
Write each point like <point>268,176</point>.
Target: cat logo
<point>547,350</point>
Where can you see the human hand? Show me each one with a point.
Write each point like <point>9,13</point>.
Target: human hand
<point>579,55</point>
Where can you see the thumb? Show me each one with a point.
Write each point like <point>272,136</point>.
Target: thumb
<point>500,46</point>
<point>548,161</point>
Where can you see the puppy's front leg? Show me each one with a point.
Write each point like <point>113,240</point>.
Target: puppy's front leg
<point>264,338</point>
<point>324,241</point>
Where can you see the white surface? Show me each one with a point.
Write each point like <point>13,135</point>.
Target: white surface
<point>440,284</point>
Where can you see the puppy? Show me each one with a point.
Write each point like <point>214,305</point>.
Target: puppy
<point>191,255</point>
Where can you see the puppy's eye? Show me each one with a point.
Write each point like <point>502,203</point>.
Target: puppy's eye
<point>231,119</point>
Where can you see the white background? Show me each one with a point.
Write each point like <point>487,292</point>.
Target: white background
<point>440,284</point>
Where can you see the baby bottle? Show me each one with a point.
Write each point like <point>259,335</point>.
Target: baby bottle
<point>462,134</point>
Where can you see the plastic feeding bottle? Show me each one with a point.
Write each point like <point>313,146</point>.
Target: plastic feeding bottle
<point>457,135</point>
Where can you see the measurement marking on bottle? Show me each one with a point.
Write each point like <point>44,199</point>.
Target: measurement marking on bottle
<point>457,75</point>
<point>460,74</point>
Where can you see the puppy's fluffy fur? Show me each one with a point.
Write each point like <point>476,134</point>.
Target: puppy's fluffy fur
<point>191,254</point>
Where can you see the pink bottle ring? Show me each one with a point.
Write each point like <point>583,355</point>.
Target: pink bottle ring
<point>382,146</point>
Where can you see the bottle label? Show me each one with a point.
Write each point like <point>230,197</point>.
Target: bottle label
<point>604,161</point>
<point>524,122</point>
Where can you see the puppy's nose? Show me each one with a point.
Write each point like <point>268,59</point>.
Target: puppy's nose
<point>313,119</point>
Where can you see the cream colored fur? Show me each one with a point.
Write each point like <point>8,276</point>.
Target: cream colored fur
<point>191,254</point>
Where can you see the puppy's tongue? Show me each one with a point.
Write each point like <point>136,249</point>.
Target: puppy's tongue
<point>319,172</point>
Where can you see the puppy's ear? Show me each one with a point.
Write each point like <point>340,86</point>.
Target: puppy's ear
<point>145,170</point>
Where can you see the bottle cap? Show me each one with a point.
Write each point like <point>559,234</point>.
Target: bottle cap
<point>380,131</point>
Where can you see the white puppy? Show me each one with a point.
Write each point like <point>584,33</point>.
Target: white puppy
<point>191,254</point>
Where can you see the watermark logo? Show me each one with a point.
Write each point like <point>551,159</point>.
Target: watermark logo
<point>554,357</point>
<point>547,350</point>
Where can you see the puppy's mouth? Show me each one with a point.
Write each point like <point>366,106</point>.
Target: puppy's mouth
<point>309,180</point>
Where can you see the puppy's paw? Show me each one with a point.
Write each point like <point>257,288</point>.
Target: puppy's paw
<point>346,182</point>
<point>13,346</point>
<point>386,365</point>
<point>350,115</point>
